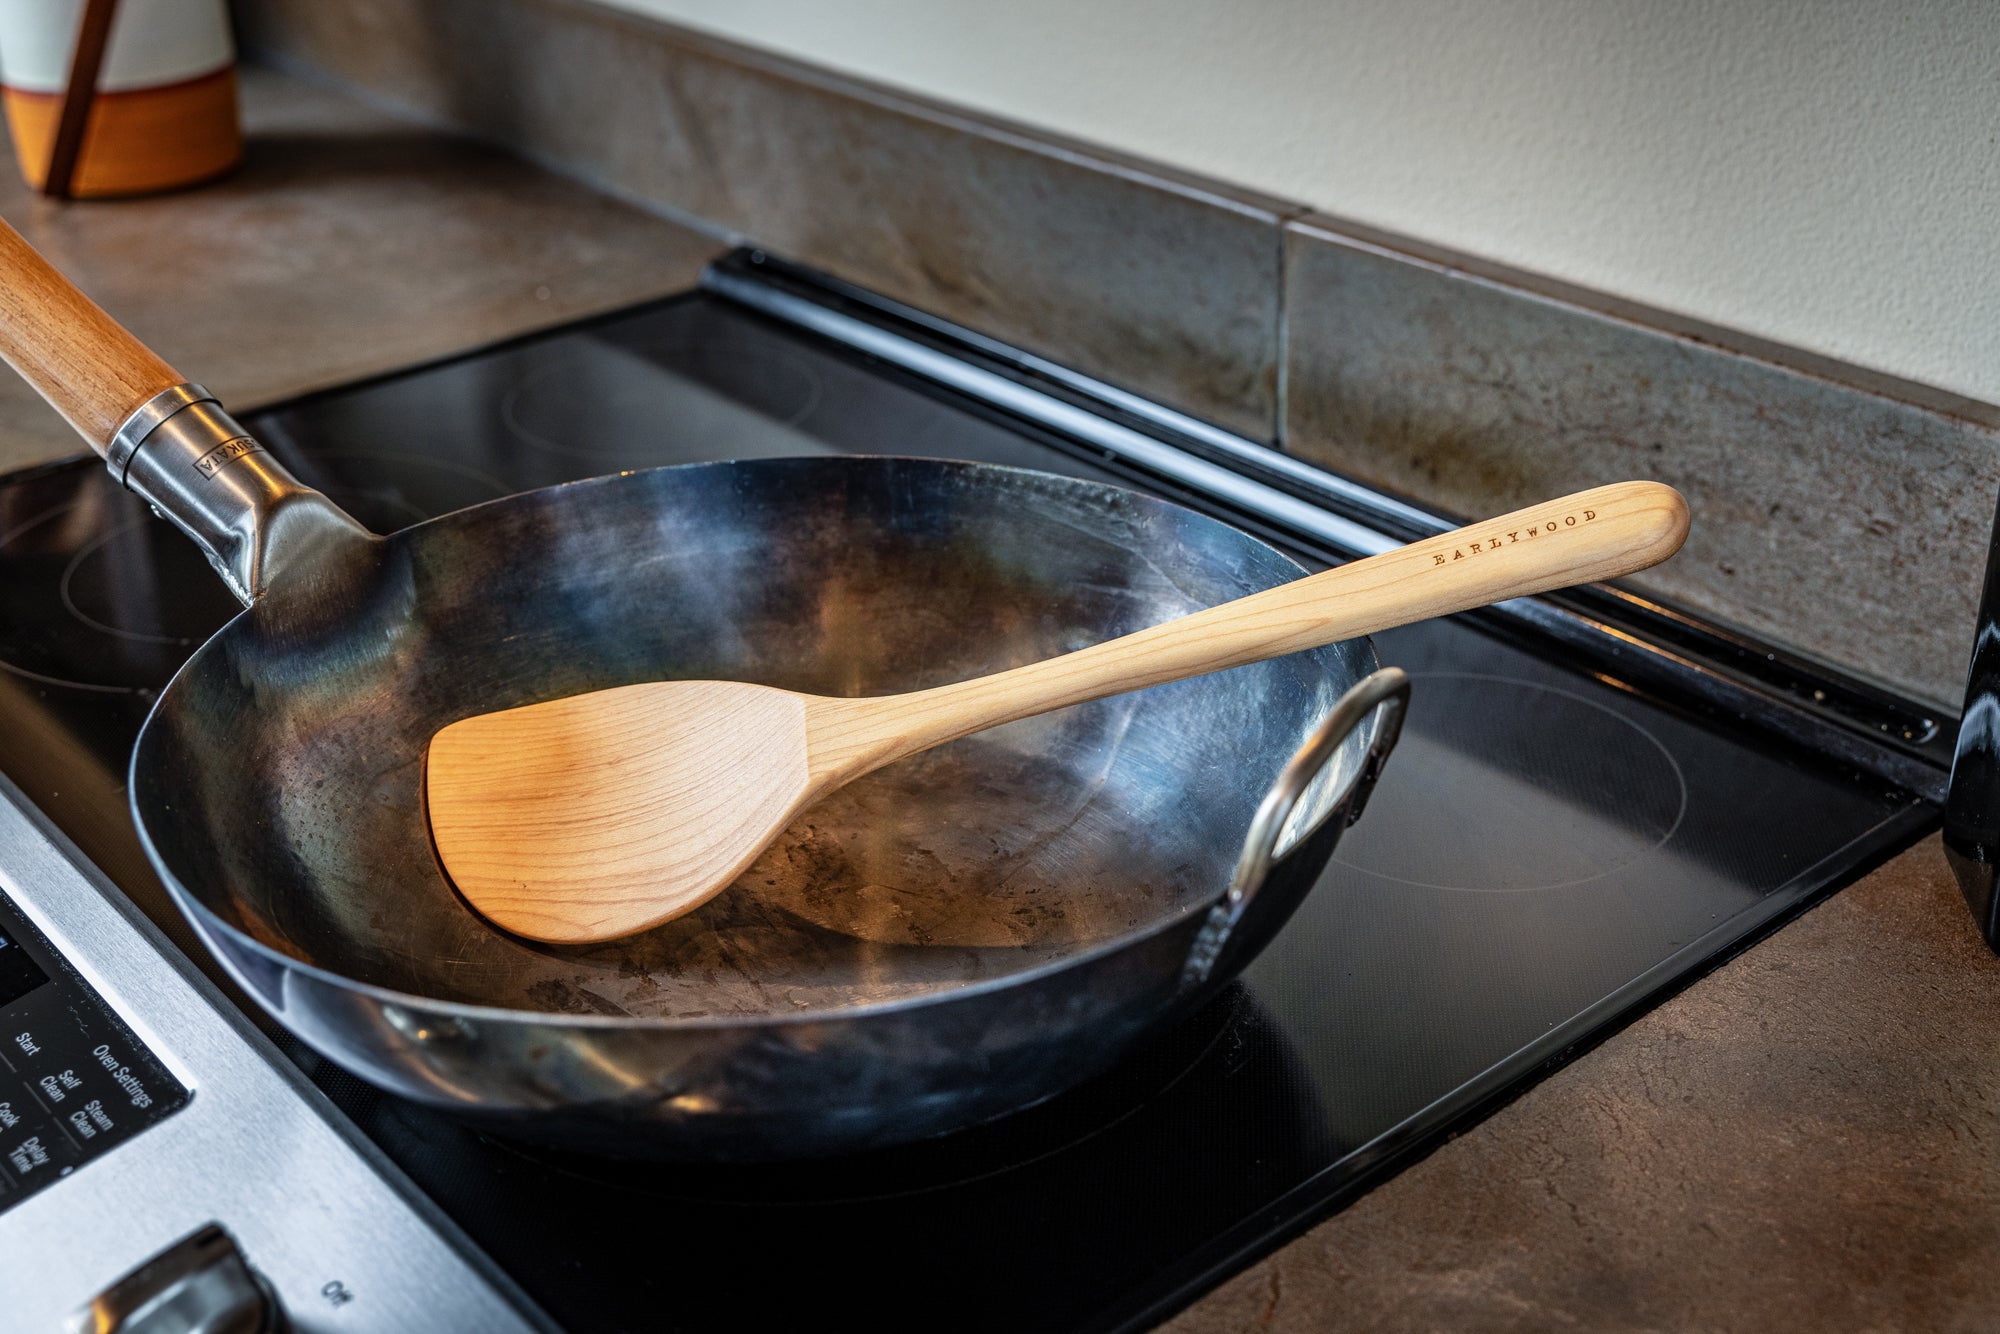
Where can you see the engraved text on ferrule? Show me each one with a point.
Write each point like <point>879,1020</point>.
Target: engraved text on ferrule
<point>225,454</point>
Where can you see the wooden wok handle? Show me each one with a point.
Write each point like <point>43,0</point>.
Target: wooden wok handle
<point>86,364</point>
<point>1581,538</point>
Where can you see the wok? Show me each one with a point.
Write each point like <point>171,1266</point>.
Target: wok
<point>944,941</point>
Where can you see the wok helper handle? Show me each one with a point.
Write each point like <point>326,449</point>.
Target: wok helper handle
<point>86,364</point>
<point>1582,538</point>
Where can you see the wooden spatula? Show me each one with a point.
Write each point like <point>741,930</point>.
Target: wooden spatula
<point>589,818</point>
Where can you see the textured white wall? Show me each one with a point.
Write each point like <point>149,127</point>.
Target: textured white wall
<point>1820,172</point>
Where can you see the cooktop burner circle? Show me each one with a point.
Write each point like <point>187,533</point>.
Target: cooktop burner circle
<point>1500,784</point>
<point>399,489</point>
<point>657,402</point>
<point>104,597</point>
<point>88,589</point>
<point>116,614</point>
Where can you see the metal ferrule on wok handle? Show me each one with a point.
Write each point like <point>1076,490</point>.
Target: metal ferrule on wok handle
<point>163,437</point>
<point>197,466</point>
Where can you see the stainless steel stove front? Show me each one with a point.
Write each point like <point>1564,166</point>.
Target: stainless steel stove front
<point>148,1126</point>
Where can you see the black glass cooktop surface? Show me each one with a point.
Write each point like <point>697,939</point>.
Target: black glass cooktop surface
<point>1547,853</point>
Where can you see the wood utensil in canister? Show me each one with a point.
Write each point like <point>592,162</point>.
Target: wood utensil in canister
<point>109,98</point>
<point>596,816</point>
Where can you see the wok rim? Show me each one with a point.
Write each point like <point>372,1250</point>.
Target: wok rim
<point>205,920</point>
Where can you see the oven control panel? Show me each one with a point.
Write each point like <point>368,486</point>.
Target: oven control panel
<point>230,1194</point>
<point>74,1080</point>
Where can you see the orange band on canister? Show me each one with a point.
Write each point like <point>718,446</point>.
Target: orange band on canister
<point>136,141</point>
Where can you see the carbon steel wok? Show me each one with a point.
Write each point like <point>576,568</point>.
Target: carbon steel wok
<point>951,938</point>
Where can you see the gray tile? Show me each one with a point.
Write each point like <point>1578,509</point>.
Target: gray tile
<point>1130,273</point>
<point>1846,523</point>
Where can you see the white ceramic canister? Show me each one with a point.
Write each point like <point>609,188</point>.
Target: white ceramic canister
<point>165,112</point>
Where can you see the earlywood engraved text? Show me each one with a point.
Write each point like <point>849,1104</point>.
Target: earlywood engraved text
<point>1509,539</point>
<point>225,454</point>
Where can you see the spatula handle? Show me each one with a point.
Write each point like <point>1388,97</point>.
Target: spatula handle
<point>89,368</point>
<point>1592,535</point>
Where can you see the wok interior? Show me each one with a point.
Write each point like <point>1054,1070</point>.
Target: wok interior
<point>280,781</point>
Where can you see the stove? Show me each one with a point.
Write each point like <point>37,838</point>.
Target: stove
<point>1596,798</point>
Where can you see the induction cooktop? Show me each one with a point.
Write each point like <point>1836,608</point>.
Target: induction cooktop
<point>1594,801</point>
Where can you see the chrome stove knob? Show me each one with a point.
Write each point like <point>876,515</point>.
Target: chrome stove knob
<point>199,1285</point>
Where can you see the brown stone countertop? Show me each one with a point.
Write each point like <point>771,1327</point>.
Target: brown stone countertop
<point>1807,1139</point>
<point>349,242</point>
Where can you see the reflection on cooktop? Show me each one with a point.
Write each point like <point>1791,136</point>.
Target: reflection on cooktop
<point>634,404</point>
<point>1503,784</point>
<point>1201,1047</point>
<point>385,491</point>
<point>99,596</point>
<point>1052,1216</point>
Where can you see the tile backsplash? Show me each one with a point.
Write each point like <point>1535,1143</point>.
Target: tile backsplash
<point>1836,511</point>
<point>1844,523</point>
